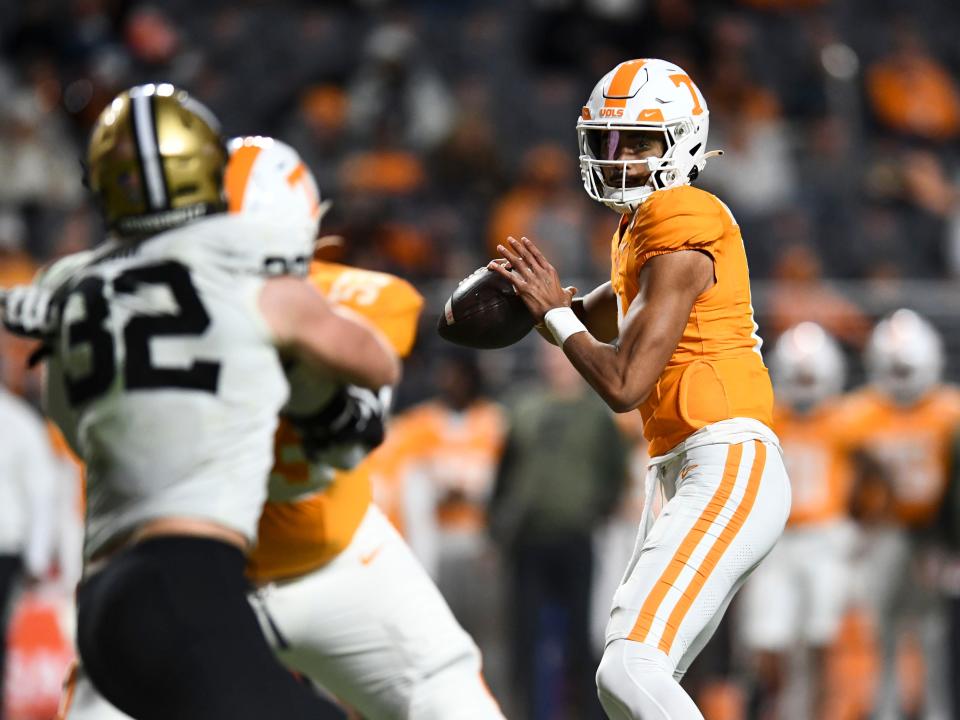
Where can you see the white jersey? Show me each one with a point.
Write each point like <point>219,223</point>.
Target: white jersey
<point>28,486</point>
<point>166,381</point>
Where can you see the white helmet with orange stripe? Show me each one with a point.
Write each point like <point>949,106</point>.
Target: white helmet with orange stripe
<point>904,357</point>
<point>267,183</point>
<point>807,367</point>
<point>641,96</point>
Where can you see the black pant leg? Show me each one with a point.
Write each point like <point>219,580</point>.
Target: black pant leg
<point>166,631</point>
<point>526,601</point>
<point>577,558</point>
<point>953,655</point>
<point>10,568</point>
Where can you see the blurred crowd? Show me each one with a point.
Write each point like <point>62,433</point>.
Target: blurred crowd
<point>438,127</point>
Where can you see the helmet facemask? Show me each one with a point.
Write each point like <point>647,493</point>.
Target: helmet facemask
<point>650,96</point>
<point>669,170</point>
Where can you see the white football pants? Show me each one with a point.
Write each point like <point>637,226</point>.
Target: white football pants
<point>727,503</point>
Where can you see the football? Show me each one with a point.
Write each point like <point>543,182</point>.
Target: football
<point>484,312</point>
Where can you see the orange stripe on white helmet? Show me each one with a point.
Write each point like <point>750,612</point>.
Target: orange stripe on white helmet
<point>267,183</point>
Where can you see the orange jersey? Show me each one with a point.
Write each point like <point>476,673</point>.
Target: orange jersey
<point>299,536</point>
<point>458,454</point>
<point>816,452</point>
<point>716,372</point>
<point>913,445</point>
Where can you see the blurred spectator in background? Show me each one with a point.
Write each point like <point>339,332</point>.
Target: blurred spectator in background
<point>16,267</point>
<point>798,595</point>
<point>544,206</point>
<point>910,196</point>
<point>563,468</point>
<point>950,527</point>
<point>39,163</point>
<point>448,452</point>
<point>29,493</point>
<point>906,418</point>
<point>396,97</point>
<point>911,93</point>
<point>829,193</point>
<point>801,293</point>
<point>317,129</point>
<point>757,174</point>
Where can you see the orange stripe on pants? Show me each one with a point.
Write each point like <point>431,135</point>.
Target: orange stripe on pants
<point>716,551</point>
<point>69,688</point>
<point>650,606</point>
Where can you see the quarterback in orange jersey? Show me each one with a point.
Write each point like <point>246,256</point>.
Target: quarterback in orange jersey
<point>908,419</point>
<point>800,591</point>
<point>672,334</point>
<point>339,594</point>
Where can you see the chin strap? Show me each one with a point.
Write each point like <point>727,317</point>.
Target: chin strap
<point>712,154</point>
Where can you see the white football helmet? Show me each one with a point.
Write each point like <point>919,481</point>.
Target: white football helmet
<point>904,357</point>
<point>266,182</point>
<point>807,367</point>
<point>650,96</point>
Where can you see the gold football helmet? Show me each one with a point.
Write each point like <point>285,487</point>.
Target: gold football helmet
<point>156,160</point>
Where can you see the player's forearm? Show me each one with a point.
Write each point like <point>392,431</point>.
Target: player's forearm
<point>597,310</point>
<point>354,353</point>
<point>607,369</point>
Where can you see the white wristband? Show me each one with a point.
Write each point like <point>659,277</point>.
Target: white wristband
<point>562,323</point>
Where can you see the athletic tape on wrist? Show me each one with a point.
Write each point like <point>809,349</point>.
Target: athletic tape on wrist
<point>562,323</point>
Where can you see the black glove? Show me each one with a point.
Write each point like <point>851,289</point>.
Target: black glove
<point>348,427</point>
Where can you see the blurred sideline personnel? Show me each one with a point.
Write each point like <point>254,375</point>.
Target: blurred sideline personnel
<point>798,595</point>
<point>951,574</point>
<point>908,419</point>
<point>29,485</point>
<point>166,376</point>
<point>338,587</point>
<point>563,468</point>
<point>672,334</point>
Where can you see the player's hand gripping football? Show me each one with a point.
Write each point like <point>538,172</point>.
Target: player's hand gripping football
<point>534,278</point>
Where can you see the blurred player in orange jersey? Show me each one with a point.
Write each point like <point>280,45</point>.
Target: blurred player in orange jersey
<point>672,334</point>
<point>796,598</point>
<point>452,445</point>
<point>444,456</point>
<point>340,595</point>
<point>908,418</point>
